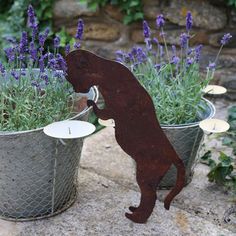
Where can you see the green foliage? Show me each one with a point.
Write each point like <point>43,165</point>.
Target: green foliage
<point>232,3</point>
<point>13,17</point>
<point>223,171</point>
<point>178,100</point>
<point>23,107</point>
<point>132,9</point>
<point>230,138</point>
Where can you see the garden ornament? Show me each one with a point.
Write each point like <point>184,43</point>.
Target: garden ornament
<point>137,129</point>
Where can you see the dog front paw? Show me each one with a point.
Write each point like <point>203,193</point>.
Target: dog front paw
<point>90,103</point>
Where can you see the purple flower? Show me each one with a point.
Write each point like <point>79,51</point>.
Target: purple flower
<point>46,32</point>
<point>120,56</point>
<point>183,40</point>
<point>32,21</point>
<point>15,75</point>
<point>160,21</point>
<point>189,61</point>
<point>131,57</point>
<point>175,60</point>
<point>2,68</point>
<point>226,38</point>
<point>80,29</point>
<point>61,62</point>
<point>33,51</point>
<point>52,63</point>
<point>45,78</point>
<point>41,64</point>
<point>198,53</point>
<point>146,30</point>
<point>24,43</point>
<point>76,45</point>
<point>212,66</point>
<point>59,75</point>
<point>42,37</point>
<point>35,84</point>
<point>56,42</point>
<point>10,54</point>
<point>189,21</point>
<point>67,49</point>
<point>141,55</point>
<point>31,17</point>
<point>155,40</point>
<point>157,67</point>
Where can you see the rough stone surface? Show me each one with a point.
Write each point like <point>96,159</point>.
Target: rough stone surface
<point>107,188</point>
<point>98,31</point>
<point>151,11</point>
<point>114,12</point>
<point>215,39</point>
<point>71,9</point>
<point>100,210</point>
<point>204,14</point>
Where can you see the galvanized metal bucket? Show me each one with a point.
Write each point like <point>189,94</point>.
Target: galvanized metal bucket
<point>38,174</point>
<point>186,140</point>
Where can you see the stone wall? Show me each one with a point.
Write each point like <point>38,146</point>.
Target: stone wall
<point>105,32</point>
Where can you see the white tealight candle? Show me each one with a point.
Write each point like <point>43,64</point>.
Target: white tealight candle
<point>214,125</point>
<point>214,89</point>
<point>69,129</point>
<point>108,123</point>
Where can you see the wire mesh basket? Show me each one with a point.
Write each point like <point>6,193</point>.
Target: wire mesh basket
<point>38,174</point>
<point>186,140</point>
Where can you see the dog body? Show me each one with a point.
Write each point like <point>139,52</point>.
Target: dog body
<point>137,129</point>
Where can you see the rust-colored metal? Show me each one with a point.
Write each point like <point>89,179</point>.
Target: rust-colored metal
<point>137,129</point>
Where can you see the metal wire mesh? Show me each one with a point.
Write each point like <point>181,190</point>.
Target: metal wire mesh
<point>38,174</point>
<point>186,141</point>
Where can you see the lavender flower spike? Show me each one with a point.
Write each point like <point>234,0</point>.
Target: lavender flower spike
<point>146,30</point>
<point>24,43</point>
<point>31,17</point>
<point>42,37</point>
<point>67,49</point>
<point>77,45</point>
<point>2,68</point>
<point>32,21</point>
<point>212,66</point>
<point>10,54</point>
<point>198,52</point>
<point>33,51</point>
<point>160,21</point>
<point>184,40</point>
<point>80,29</point>
<point>57,41</point>
<point>226,38</point>
<point>189,21</point>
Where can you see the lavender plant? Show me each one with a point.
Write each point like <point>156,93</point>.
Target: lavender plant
<point>173,78</point>
<point>34,91</point>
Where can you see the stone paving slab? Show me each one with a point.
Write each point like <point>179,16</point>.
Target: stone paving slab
<point>107,187</point>
<point>99,210</point>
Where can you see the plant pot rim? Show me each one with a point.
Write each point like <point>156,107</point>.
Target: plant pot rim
<point>95,99</point>
<point>193,124</point>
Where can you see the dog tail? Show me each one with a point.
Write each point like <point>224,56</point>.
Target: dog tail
<point>180,181</point>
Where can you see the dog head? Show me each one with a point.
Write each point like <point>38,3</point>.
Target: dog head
<point>80,72</point>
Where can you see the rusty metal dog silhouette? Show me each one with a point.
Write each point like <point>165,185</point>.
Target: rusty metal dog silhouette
<point>137,129</point>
